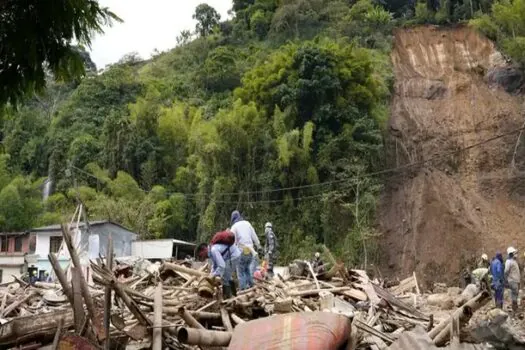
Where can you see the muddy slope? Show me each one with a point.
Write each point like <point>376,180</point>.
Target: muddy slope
<point>439,216</point>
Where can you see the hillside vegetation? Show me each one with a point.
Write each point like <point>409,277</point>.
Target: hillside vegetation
<point>279,112</point>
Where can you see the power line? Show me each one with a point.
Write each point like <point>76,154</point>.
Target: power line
<point>333,182</point>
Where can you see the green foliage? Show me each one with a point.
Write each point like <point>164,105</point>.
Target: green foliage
<point>276,112</point>
<point>506,25</point>
<point>207,18</point>
<point>36,36</point>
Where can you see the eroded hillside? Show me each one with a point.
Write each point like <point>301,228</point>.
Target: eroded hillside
<point>448,95</point>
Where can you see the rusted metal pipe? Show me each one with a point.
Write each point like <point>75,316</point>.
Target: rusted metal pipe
<point>203,337</point>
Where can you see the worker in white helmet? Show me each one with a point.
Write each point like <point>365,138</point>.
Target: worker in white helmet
<point>318,264</point>
<point>270,247</point>
<point>484,261</point>
<point>512,276</point>
<point>480,276</point>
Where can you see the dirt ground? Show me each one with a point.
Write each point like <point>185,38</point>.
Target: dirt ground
<point>440,216</point>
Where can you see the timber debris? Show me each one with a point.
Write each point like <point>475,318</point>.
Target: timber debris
<point>163,308</point>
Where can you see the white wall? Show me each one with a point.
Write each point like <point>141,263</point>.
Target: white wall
<point>7,273</point>
<point>43,242</point>
<point>153,249</point>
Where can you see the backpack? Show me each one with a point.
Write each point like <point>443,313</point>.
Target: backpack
<point>223,237</point>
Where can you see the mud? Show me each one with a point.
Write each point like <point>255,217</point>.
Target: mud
<point>438,217</point>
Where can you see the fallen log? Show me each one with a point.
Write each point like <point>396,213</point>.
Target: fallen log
<point>34,327</point>
<point>203,337</point>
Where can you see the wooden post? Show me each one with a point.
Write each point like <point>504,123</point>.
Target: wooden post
<point>157,322</point>
<point>83,284</point>
<point>61,277</point>
<point>107,293</point>
<point>78,305</point>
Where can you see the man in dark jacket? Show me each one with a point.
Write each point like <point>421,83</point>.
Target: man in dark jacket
<point>498,277</point>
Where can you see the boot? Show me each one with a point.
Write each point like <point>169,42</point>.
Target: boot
<point>226,292</point>
<point>233,288</point>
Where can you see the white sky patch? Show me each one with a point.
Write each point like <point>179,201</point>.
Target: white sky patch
<point>148,25</point>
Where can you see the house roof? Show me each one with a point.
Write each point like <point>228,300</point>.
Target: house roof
<point>52,228</point>
<point>3,234</point>
<point>175,241</point>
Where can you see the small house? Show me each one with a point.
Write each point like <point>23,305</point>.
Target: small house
<point>158,249</point>
<point>13,247</point>
<point>93,241</point>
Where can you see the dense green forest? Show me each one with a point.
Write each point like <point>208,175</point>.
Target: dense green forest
<point>279,112</point>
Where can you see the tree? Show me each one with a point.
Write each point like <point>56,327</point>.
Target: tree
<point>207,18</point>
<point>36,36</point>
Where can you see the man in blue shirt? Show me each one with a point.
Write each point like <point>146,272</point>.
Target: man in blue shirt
<point>498,276</point>
<point>224,260</point>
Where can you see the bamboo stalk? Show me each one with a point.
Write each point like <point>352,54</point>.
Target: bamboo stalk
<point>237,319</point>
<point>107,293</point>
<point>203,337</point>
<point>157,323</point>
<point>303,293</point>
<point>226,320</point>
<point>474,303</point>
<point>183,269</point>
<point>189,319</point>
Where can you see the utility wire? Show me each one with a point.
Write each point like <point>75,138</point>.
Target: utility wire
<point>299,187</point>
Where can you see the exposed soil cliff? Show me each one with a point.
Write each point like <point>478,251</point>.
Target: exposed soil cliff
<point>440,216</point>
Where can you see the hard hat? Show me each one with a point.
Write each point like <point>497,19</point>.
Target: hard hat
<point>317,255</point>
<point>484,257</point>
<point>511,250</point>
<point>268,224</point>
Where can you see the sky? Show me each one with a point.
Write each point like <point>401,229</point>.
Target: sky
<point>148,25</point>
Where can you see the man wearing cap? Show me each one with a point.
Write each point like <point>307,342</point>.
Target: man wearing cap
<point>512,276</point>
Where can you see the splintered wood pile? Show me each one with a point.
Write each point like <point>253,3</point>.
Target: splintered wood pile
<point>176,306</point>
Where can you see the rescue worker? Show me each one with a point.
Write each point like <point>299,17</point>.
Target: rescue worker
<point>498,279</point>
<point>48,278</point>
<point>270,247</point>
<point>480,275</point>
<point>224,260</point>
<point>512,276</point>
<point>33,278</point>
<point>318,264</point>
<point>247,241</point>
<point>484,262</point>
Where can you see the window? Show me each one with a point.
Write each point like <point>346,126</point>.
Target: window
<point>18,244</point>
<point>54,244</point>
<point>3,246</point>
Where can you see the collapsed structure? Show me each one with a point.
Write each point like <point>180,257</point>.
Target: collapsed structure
<point>172,305</point>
